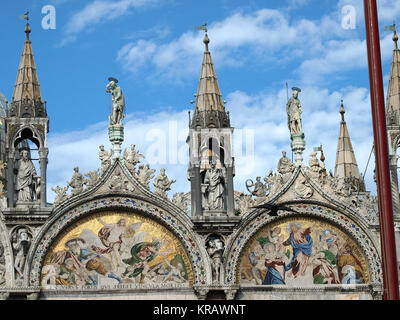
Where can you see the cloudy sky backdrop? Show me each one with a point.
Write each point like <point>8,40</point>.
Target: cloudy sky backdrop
<point>154,50</point>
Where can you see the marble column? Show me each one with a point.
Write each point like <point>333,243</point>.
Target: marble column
<point>43,154</point>
<point>230,201</point>
<point>195,187</point>
<point>10,179</point>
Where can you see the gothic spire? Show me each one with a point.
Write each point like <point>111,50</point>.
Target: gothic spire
<point>209,105</point>
<point>393,94</point>
<point>346,165</point>
<point>27,98</point>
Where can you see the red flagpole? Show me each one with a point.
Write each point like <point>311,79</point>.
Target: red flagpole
<point>388,245</point>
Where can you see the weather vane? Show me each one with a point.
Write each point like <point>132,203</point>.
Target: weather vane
<point>24,16</point>
<point>202,27</point>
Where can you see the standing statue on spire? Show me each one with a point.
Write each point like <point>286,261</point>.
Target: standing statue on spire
<point>118,99</point>
<point>294,110</point>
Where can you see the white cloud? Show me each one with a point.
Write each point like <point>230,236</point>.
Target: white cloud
<point>260,32</point>
<point>96,12</point>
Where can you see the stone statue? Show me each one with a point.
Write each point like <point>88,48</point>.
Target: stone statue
<point>93,178</point>
<point>26,178</point>
<point>3,165</point>
<point>132,157</point>
<point>162,184</point>
<point>294,110</point>
<point>105,158</point>
<point>21,244</point>
<point>274,182</point>
<point>145,174</point>
<point>117,182</point>
<point>61,193</point>
<point>214,180</point>
<point>118,99</point>
<point>245,202</point>
<point>285,168</point>
<point>260,190</point>
<point>215,249</point>
<point>77,182</point>
<point>181,200</point>
<point>2,194</point>
<point>314,165</point>
<point>302,189</point>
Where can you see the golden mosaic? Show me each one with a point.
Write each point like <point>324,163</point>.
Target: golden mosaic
<point>113,248</point>
<point>302,251</point>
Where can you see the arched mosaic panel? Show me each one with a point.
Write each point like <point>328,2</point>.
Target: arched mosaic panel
<point>337,221</point>
<point>60,225</point>
<point>113,247</point>
<point>302,251</point>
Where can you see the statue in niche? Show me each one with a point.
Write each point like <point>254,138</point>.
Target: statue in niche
<point>259,191</point>
<point>26,178</point>
<point>3,165</point>
<point>21,243</point>
<point>294,111</point>
<point>214,187</point>
<point>105,158</point>
<point>132,157</point>
<point>285,166</point>
<point>162,184</point>
<point>145,174</point>
<point>215,250</point>
<point>77,182</point>
<point>118,100</point>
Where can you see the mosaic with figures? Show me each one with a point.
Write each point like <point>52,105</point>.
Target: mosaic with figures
<point>302,251</point>
<point>110,248</point>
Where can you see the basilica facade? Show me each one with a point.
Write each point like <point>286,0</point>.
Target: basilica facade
<point>300,232</point>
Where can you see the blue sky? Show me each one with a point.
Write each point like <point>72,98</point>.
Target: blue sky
<point>152,47</point>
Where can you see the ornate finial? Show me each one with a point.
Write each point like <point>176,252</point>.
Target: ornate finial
<point>342,112</point>
<point>395,37</point>
<point>206,40</point>
<point>27,28</point>
<point>27,31</point>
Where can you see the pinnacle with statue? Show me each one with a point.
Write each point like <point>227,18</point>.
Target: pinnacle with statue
<point>116,127</point>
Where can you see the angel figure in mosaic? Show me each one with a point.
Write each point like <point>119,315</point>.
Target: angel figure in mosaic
<point>111,236</point>
<point>141,254</point>
<point>176,272</point>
